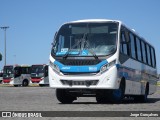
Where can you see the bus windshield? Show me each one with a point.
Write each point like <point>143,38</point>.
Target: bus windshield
<point>8,72</point>
<point>37,71</point>
<point>86,39</point>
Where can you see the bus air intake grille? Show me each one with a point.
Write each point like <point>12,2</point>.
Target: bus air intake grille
<point>83,83</point>
<point>79,62</point>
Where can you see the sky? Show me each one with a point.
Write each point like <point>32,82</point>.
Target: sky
<point>33,23</point>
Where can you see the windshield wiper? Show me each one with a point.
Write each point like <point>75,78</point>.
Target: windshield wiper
<point>91,51</point>
<point>67,53</point>
<point>80,42</point>
<point>85,44</point>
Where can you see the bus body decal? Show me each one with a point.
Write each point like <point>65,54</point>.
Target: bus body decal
<point>91,68</point>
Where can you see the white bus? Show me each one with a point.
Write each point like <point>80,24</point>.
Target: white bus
<point>16,75</point>
<point>101,58</point>
<point>39,74</point>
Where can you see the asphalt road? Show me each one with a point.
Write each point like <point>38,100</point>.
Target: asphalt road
<point>43,99</point>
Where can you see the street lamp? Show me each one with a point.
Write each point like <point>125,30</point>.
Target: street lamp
<point>4,28</point>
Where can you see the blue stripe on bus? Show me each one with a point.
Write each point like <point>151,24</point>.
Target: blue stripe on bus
<point>80,69</point>
<point>135,75</point>
<point>65,52</point>
<point>118,66</point>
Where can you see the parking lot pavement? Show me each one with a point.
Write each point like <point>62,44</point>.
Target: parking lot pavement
<point>44,99</point>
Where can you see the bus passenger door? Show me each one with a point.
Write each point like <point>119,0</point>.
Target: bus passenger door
<point>125,60</point>
<point>46,79</point>
<point>17,75</point>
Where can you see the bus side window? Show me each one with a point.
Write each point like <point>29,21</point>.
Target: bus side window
<point>138,49</point>
<point>144,57</point>
<point>132,42</point>
<point>124,47</point>
<point>153,57</point>
<point>148,54</point>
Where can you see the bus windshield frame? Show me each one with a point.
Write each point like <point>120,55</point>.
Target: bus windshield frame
<point>37,71</point>
<point>8,72</point>
<point>86,39</point>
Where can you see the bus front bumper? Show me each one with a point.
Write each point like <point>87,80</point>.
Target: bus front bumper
<point>107,80</point>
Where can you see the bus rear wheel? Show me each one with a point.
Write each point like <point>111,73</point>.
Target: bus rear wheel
<point>142,98</point>
<point>64,97</point>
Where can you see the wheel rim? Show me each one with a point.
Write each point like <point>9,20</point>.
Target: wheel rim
<point>25,83</point>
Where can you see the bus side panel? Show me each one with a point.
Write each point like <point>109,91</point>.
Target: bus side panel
<point>137,75</point>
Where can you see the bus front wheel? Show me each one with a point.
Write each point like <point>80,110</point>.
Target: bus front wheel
<point>64,97</point>
<point>102,96</point>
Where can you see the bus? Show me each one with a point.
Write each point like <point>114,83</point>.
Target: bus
<point>101,58</point>
<point>39,74</point>
<point>16,75</point>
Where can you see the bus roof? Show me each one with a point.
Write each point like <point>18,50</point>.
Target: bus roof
<point>95,20</point>
<point>12,65</point>
<point>109,20</point>
<point>16,65</point>
<point>39,64</point>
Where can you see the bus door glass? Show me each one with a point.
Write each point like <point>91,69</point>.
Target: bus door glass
<point>46,71</point>
<point>17,72</point>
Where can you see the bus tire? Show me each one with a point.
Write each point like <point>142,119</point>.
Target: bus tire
<point>64,97</point>
<point>41,85</point>
<point>102,96</point>
<point>16,85</point>
<point>100,99</point>
<point>142,98</point>
<point>117,95</point>
<point>25,83</point>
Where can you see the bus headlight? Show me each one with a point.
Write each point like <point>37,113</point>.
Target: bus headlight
<point>54,67</point>
<point>106,67</point>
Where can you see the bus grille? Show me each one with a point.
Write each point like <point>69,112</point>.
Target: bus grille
<point>83,83</point>
<point>79,62</point>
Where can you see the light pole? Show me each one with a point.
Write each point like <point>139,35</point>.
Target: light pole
<point>4,28</point>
